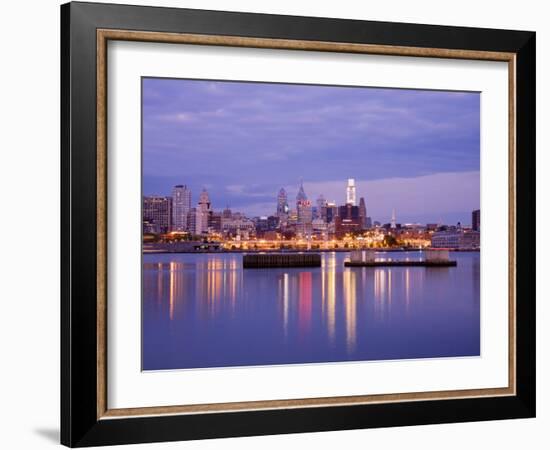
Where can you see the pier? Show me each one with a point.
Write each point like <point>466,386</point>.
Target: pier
<point>432,258</point>
<point>270,260</point>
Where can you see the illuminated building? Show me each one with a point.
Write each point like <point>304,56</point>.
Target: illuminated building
<point>181,205</point>
<point>202,213</point>
<point>282,205</point>
<point>348,220</point>
<point>330,212</point>
<point>214,222</point>
<point>393,225</point>
<point>350,192</point>
<point>157,214</point>
<point>303,207</point>
<point>292,217</point>
<point>238,226</point>
<point>320,207</point>
<point>455,239</point>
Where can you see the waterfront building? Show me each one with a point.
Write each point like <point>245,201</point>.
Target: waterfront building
<point>181,205</point>
<point>238,226</point>
<point>319,226</point>
<point>363,213</point>
<point>266,223</point>
<point>476,220</point>
<point>157,214</point>
<point>202,213</point>
<point>458,239</point>
<point>261,224</point>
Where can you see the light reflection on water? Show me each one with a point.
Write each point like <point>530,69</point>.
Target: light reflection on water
<point>204,310</point>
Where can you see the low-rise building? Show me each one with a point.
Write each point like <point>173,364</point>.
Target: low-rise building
<point>458,239</point>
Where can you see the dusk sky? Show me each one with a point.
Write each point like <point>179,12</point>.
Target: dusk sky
<point>412,150</point>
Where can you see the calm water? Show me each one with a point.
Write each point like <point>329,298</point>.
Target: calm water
<point>204,310</point>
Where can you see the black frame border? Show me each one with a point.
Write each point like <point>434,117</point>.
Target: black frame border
<point>79,423</point>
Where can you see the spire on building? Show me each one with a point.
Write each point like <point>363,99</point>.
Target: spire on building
<point>301,193</point>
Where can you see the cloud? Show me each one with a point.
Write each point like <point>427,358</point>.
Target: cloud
<point>247,140</point>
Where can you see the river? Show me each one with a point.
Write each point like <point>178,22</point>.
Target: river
<point>204,310</point>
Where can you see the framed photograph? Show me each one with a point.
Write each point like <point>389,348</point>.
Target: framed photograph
<point>277,224</point>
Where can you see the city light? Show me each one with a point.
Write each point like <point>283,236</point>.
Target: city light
<point>172,223</point>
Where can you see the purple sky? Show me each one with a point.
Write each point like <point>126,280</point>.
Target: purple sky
<point>415,151</point>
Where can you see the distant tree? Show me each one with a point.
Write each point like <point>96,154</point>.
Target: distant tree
<point>389,240</point>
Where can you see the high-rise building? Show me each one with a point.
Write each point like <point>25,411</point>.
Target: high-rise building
<point>350,192</point>
<point>393,223</point>
<point>363,213</point>
<point>192,220</point>
<point>202,213</point>
<point>282,204</point>
<point>348,219</point>
<point>476,220</point>
<point>303,206</point>
<point>320,203</point>
<point>157,214</point>
<point>331,212</point>
<point>181,204</point>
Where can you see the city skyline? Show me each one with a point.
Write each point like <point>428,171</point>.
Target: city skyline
<point>413,151</point>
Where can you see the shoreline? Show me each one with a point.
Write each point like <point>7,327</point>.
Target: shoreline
<point>337,250</point>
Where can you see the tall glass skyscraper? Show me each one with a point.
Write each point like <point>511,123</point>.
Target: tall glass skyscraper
<point>181,205</point>
<point>350,192</point>
<point>282,204</point>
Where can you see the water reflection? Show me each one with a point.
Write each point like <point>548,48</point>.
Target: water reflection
<point>205,311</point>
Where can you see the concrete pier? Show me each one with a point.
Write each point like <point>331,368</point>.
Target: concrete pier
<point>269,260</point>
<point>432,258</point>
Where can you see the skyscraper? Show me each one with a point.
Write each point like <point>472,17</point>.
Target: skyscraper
<point>181,204</point>
<point>348,219</point>
<point>350,192</point>
<point>331,212</point>
<point>321,203</point>
<point>282,204</point>
<point>202,213</point>
<point>363,213</point>
<point>393,223</point>
<point>157,214</point>
<point>303,208</point>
